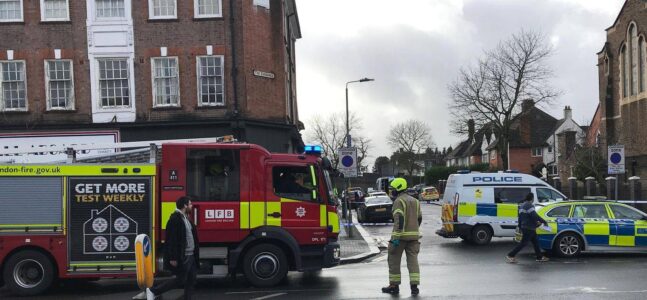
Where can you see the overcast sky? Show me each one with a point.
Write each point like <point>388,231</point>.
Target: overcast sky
<point>414,49</point>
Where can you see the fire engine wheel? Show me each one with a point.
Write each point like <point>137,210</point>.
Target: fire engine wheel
<point>481,235</point>
<point>28,273</point>
<point>265,265</point>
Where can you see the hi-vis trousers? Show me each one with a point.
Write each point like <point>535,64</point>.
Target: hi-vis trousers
<point>411,248</point>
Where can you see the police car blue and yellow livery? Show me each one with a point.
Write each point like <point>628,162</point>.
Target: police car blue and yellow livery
<point>592,226</point>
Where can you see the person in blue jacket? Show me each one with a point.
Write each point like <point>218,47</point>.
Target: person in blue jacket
<point>529,220</point>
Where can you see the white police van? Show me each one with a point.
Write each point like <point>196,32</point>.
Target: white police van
<point>478,206</point>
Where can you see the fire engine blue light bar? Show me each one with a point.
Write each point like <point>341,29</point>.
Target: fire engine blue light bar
<point>312,149</point>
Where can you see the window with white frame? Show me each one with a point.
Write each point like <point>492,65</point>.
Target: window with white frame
<point>166,82</point>
<point>537,151</point>
<point>13,85</point>
<point>210,81</point>
<point>10,10</point>
<point>162,9</point>
<point>54,10</point>
<point>59,78</point>
<point>110,8</point>
<point>207,8</point>
<point>114,77</point>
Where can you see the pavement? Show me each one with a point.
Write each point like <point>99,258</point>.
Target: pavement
<point>450,269</point>
<point>356,243</point>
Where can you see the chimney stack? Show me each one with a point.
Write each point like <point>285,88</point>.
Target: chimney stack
<point>527,105</point>
<point>568,113</point>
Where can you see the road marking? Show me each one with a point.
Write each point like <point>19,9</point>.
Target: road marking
<point>381,258</point>
<point>591,290</point>
<point>270,296</point>
<point>279,291</point>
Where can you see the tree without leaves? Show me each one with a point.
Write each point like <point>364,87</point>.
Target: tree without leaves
<point>411,137</point>
<point>380,163</point>
<point>491,92</point>
<point>330,133</point>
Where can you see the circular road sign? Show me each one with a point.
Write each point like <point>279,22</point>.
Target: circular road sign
<point>616,158</point>
<point>347,161</point>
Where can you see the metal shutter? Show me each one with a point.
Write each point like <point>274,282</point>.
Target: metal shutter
<point>31,200</point>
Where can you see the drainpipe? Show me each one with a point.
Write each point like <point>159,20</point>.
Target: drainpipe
<point>234,69</point>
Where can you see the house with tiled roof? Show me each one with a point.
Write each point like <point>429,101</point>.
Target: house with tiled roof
<point>473,150</point>
<point>551,152</point>
<point>534,135</point>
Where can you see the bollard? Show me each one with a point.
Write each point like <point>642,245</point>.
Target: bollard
<point>611,188</point>
<point>589,186</point>
<point>572,188</point>
<point>557,183</point>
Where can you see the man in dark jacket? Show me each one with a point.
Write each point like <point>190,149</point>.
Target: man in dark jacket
<point>529,220</point>
<point>181,253</point>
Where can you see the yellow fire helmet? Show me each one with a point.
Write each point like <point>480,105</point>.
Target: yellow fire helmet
<point>398,184</point>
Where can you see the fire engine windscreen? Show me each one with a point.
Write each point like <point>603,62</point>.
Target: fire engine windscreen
<point>213,174</point>
<point>293,183</point>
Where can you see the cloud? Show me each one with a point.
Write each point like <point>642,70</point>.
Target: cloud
<point>414,50</point>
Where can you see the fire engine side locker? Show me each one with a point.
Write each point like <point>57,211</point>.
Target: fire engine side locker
<point>36,219</point>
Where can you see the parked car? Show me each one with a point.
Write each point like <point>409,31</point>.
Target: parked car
<point>375,208</point>
<point>429,194</point>
<point>591,226</point>
<point>354,196</point>
<point>373,194</point>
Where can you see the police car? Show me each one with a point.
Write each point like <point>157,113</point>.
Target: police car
<point>479,206</point>
<point>592,226</point>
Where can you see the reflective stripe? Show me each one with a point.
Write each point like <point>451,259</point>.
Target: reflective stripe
<point>466,209</point>
<point>167,210</point>
<point>244,215</point>
<point>273,207</point>
<point>506,210</point>
<point>256,214</point>
<point>398,211</point>
<point>333,220</point>
<point>312,174</point>
<point>323,213</point>
<point>410,233</point>
<point>80,170</point>
<point>527,211</point>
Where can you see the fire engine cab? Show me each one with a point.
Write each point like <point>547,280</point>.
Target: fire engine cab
<point>257,213</point>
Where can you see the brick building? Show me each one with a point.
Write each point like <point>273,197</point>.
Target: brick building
<point>147,70</point>
<point>532,142</point>
<point>623,86</point>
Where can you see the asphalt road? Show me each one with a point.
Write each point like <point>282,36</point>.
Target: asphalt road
<point>450,270</point>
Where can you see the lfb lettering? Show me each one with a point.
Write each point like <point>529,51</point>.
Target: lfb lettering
<point>497,179</point>
<point>219,214</point>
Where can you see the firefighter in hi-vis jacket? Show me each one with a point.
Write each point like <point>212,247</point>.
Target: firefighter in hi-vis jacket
<point>405,236</point>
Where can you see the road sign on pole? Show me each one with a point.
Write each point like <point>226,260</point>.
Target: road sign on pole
<point>348,162</point>
<point>616,160</point>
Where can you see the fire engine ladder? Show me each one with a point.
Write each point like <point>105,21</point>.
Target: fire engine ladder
<point>135,148</point>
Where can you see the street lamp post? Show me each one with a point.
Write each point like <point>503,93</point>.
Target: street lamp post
<point>349,144</point>
<point>348,139</point>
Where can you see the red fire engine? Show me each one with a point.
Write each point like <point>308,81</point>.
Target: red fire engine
<point>257,213</point>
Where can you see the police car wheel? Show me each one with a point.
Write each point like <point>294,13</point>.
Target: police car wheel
<point>265,265</point>
<point>29,273</point>
<point>481,235</point>
<point>568,245</point>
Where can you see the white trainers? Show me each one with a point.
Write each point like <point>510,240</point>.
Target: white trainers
<point>149,294</point>
<point>511,260</point>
